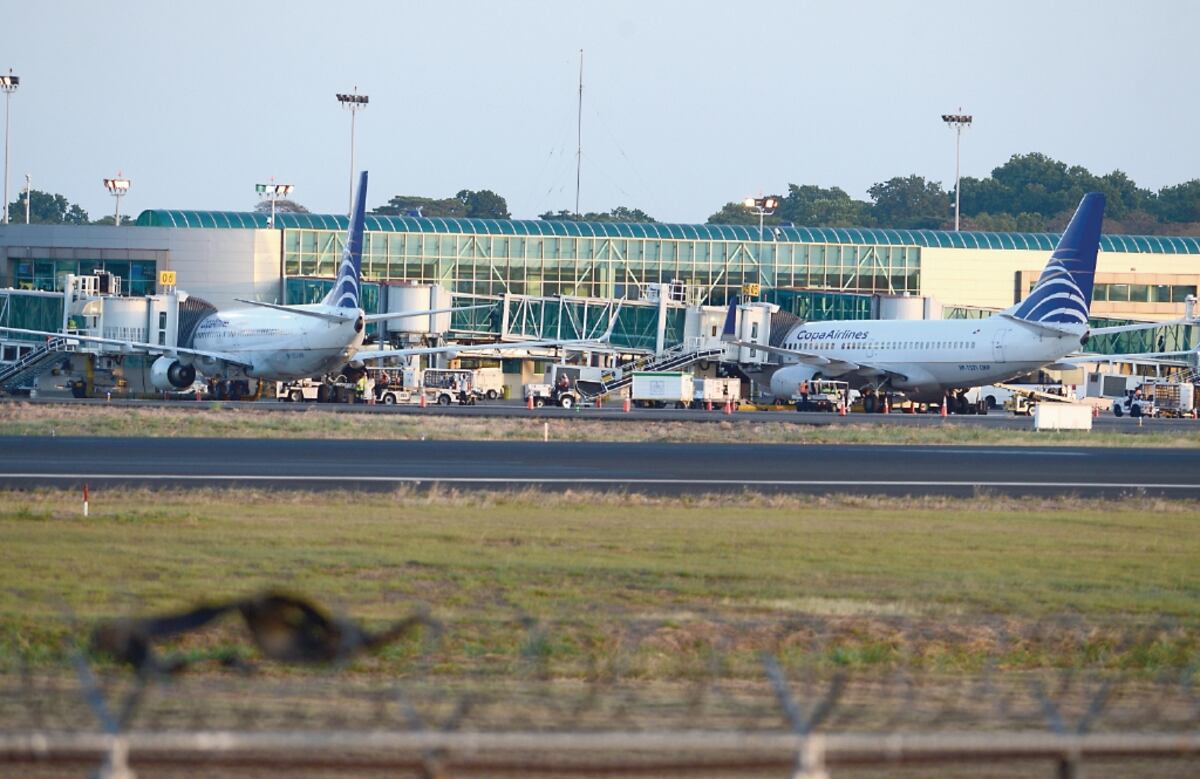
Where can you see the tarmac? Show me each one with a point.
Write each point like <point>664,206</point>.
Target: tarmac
<point>658,468</point>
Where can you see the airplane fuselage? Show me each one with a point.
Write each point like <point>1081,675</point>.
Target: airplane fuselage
<point>922,358</point>
<point>280,345</point>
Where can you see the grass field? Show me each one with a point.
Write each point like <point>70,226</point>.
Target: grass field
<point>935,583</point>
<point>34,419</point>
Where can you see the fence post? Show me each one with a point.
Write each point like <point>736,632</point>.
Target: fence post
<point>810,763</point>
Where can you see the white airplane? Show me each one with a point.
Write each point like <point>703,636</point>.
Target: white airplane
<point>931,360</point>
<point>280,342</point>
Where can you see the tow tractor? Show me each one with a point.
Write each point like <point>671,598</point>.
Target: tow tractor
<point>823,395</point>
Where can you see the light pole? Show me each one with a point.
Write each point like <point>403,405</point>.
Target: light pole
<point>957,122</point>
<point>118,187</point>
<point>273,191</point>
<point>28,195</point>
<point>764,206</point>
<point>9,84</point>
<point>353,102</point>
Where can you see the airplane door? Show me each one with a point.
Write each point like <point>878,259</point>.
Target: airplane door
<point>998,339</point>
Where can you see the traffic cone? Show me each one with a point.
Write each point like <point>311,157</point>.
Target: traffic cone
<point>626,405</point>
<point>728,407</point>
<point>529,402</point>
<point>945,403</point>
<point>421,400</point>
<point>708,405</point>
<point>599,401</point>
<point>886,408</point>
<point>842,409</point>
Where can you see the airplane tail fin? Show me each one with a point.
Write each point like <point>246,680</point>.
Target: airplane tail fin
<point>729,332</point>
<point>345,292</point>
<point>1063,293</point>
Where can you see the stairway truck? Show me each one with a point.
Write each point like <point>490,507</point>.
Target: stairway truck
<point>658,389</point>
<point>716,391</point>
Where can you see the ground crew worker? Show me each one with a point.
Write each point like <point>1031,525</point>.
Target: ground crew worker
<point>381,384</point>
<point>360,389</point>
<point>804,392</point>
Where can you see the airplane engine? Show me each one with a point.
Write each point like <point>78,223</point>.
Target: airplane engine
<point>167,373</point>
<point>785,382</point>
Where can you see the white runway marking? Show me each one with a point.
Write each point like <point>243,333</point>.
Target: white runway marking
<point>605,481</point>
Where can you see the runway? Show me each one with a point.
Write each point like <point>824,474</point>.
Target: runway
<point>658,468</point>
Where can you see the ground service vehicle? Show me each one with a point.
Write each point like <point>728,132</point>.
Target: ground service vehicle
<point>1135,405</point>
<point>544,393</point>
<point>445,386</point>
<point>1173,399</point>
<point>716,391</point>
<point>656,389</point>
<point>823,395</point>
<point>488,382</point>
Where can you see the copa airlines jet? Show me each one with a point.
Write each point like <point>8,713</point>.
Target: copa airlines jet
<point>929,360</point>
<point>277,342</point>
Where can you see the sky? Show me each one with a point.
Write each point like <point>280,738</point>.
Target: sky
<point>686,105</point>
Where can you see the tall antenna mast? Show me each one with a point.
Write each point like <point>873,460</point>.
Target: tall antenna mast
<point>579,135</point>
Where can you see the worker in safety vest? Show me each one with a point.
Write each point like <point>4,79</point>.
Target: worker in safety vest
<point>360,388</point>
<point>804,391</point>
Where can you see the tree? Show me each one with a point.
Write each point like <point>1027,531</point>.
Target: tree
<point>736,213</point>
<point>484,204</point>
<point>45,208</point>
<point>618,214</point>
<point>282,206</point>
<point>108,220</point>
<point>910,202</point>
<point>1179,203</point>
<point>413,205</point>
<point>813,206</point>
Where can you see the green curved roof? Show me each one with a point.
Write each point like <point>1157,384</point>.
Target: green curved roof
<point>1137,244</point>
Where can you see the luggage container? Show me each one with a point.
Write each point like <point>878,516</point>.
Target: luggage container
<point>657,389</point>
<point>716,391</point>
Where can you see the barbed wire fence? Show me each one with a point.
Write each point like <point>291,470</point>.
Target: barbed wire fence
<point>487,693</point>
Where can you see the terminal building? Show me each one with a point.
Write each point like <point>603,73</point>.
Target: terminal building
<point>548,278</point>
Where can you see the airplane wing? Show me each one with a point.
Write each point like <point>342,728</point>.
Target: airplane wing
<point>337,319</point>
<point>383,354</point>
<point>584,344</point>
<point>805,357</point>
<point>1072,361</point>
<point>727,336</point>
<point>1039,327</point>
<point>137,347</point>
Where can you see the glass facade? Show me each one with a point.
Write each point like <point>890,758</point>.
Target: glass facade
<point>30,312</point>
<point>138,277</point>
<point>814,306</point>
<point>1143,293</point>
<point>606,267</point>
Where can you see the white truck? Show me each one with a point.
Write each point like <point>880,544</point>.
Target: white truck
<point>1173,398</point>
<point>716,391</point>
<point>488,382</point>
<point>656,389</point>
<point>568,385</point>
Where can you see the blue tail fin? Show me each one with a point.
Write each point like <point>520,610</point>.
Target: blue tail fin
<point>728,333</point>
<point>345,289</point>
<point>1063,293</point>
